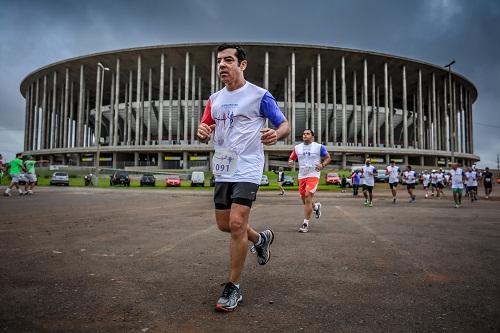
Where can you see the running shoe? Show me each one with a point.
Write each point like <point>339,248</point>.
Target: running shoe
<point>304,228</point>
<point>7,194</point>
<point>264,251</point>
<point>231,296</point>
<point>317,210</point>
<point>365,203</point>
<point>393,200</point>
<point>370,204</point>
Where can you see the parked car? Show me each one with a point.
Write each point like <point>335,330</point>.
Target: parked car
<point>197,179</point>
<point>498,180</point>
<point>148,179</point>
<point>288,181</point>
<point>59,178</point>
<point>381,177</point>
<point>120,177</point>
<point>332,178</point>
<point>264,181</point>
<point>173,180</point>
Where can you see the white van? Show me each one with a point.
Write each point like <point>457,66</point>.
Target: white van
<point>198,179</point>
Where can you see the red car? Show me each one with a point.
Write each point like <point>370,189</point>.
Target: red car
<point>173,180</point>
<point>332,178</point>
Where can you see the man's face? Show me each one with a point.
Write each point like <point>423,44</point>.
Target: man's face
<point>229,68</point>
<point>307,136</point>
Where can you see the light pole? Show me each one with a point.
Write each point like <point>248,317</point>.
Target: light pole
<point>452,116</point>
<point>98,120</point>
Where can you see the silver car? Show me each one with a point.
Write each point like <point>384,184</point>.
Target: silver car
<point>59,178</point>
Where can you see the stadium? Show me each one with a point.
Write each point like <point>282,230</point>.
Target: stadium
<point>140,107</point>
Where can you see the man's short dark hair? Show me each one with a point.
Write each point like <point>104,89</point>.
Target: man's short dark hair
<point>240,53</point>
<point>19,154</point>
<point>310,130</point>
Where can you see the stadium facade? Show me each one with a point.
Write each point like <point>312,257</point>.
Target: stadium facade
<point>150,99</point>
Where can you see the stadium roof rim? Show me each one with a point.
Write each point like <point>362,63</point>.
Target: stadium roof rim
<point>215,44</point>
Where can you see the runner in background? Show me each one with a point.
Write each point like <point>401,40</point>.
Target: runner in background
<point>393,171</point>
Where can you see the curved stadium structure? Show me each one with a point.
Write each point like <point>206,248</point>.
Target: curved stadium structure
<point>150,100</point>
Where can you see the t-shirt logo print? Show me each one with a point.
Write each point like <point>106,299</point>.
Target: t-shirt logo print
<point>226,115</point>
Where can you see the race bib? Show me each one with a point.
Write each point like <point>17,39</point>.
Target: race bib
<point>224,162</point>
<point>487,180</point>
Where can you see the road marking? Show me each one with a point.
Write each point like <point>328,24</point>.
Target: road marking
<point>170,247</point>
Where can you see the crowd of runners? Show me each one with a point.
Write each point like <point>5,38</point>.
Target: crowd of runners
<point>22,173</point>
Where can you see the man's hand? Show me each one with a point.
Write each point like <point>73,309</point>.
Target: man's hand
<point>319,167</point>
<point>268,136</point>
<point>291,163</point>
<point>204,132</point>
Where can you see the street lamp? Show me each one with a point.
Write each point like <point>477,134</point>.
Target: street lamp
<point>98,120</point>
<point>452,116</point>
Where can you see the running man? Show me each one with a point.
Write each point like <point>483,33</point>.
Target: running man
<point>312,157</point>
<point>393,171</point>
<point>410,177</point>
<point>457,183</point>
<point>440,179</point>
<point>426,180</point>
<point>30,164</point>
<point>14,168</point>
<point>235,118</point>
<point>487,182</point>
<point>471,176</point>
<point>368,173</point>
<point>280,179</point>
<point>356,180</point>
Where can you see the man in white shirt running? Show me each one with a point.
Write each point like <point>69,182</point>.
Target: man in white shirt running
<point>393,171</point>
<point>235,118</point>
<point>426,180</point>
<point>410,177</point>
<point>312,157</point>
<point>457,183</point>
<point>368,173</point>
<point>471,176</point>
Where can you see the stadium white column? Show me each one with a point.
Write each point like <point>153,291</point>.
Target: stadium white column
<point>462,113</point>
<point>129,110</point>
<point>31,114</point>
<point>138,104</point>
<point>312,99</point>
<point>112,111</point>
<point>386,107</point>
<point>446,114</point>
<point>159,129</point>
<point>53,123</point>
<point>293,122</point>
<point>170,102</point>
<point>307,102</point>
<point>266,70</point>
<point>391,113</point>
<point>377,106</point>
<point>365,101</point>
<point>405,111</point>
<point>26,119</point>
<point>355,107</point>
<point>179,108</point>
<point>72,119</point>
<point>334,103</point>
<point>193,97</point>
<point>150,105</point>
<point>36,133</point>
<point>66,105</point>
<point>289,99</point>
<point>434,113</point>
<point>97,120</point>
<point>420,112</point>
<point>344,102</point>
<point>374,122</point>
<point>327,123</point>
<point>117,105</point>
<point>212,74</point>
<point>471,128</point>
<point>318,80</point>
<point>186,98</point>
<point>43,133</point>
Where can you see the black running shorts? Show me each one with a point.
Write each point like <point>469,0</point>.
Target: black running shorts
<point>367,188</point>
<point>242,193</point>
<point>393,185</point>
<point>410,186</point>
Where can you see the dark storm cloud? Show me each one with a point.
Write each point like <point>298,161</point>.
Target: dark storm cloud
<point>36,33</point>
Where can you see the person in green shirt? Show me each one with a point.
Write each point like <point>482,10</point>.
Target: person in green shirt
<point>1,168</point>
<point>29,164</point>
<point>14,168</point>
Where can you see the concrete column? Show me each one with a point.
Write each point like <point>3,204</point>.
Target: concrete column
<point>462,112</point>
<point>160,99</point>
<point>289,99</point>
<point>434,113</point>
<point>405,111</point>
<point>200,103</point>
<point>344,161</point>
<point>212,74</point>
<point>422,160</point>
<point>186,98</point>
<point>406,160</point>
<point>312,99</point>
<point>438,122</point>
<point>471,128</point>
<point>72,127</point>
<point>266,161</point>
<point>54,126</point>
<point>65,114</point>
<point>365,100</point>
<point>170,102</point>
<point>266,70</point>
<point>414,121</point>
<point>386,107</point>
<point>193,98</point>
<point>454,126</point>
<point>355,107</point>
<point>446,115</point>
<point>117,104</point>
<point>115,162</point>
<point>36,133</point>
<point>138,106</point>
<point>334,102</point>
<point>129,111</point>
<point>391,115</point>
<point>112,111</point>
<point>318,81</point>
<point>374,121</point>
<point>307,103</point>
<point>185,160</point>
<point>327,123</point>
<point>136,159</point>
<point>377,109</point>
<point>293,121</point>
<point>26,120</point>
<point>344,102</point>
<point>97,114</point>
<point>61,119</point>
<point>150,105</point>
<point>387,159</point>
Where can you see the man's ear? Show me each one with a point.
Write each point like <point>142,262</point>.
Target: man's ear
<point>243,65</point>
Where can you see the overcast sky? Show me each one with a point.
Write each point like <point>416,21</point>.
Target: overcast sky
<point>39,32</point>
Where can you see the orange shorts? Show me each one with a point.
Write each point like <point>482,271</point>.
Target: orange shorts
<point>309,184</point>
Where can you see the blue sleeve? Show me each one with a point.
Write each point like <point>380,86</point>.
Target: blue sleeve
<point>323,152</point>
<point>269,109</point>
